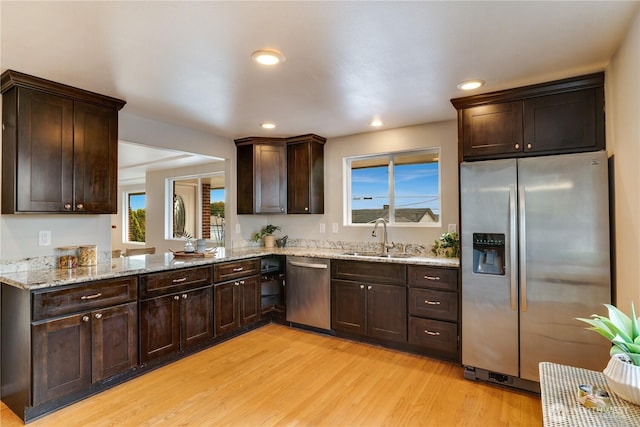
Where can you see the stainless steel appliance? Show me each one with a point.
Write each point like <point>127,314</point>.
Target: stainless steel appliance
<point>308,292</point>
<point>535,255</point>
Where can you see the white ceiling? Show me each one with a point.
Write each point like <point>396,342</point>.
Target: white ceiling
<point>188,63</point>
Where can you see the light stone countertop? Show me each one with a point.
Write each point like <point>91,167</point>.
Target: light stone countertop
<point>140,264</point>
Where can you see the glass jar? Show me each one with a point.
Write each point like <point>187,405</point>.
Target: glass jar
<point>67,257</point>
<point>87,256</point>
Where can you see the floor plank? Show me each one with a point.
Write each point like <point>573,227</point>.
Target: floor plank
<point>282,376</point>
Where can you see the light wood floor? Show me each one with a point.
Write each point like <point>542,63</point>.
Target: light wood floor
<point>281,376</point>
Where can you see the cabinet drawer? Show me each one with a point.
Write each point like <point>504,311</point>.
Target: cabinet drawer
<point>369,272</point>
<point>156,284</point>
<point>441,337</point>
<point>236,269</point>
<point>434,304</point>
<point>88,296</point>
<point>433,277</point>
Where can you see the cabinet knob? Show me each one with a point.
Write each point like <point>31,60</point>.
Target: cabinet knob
<point>184,296</point>
<point>176,297</point>
<point>79,206</point>
<point>369,287</point>
<point>517,146</point>
<point>67,206</point>
<point>236,283</point>
<point>98,316</point>
<point>306,208</point>
<point>435,334</point>
<point>85,318</point>
<point>242,282</point>
<point>528,146</point>
<point>361,286</point>
<point>281,209</point>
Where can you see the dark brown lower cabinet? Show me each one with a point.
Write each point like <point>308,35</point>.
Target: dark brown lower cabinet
<point>73,352</point>
<point>372,310</point>
<point>175,322</point>
<point>237,304</point>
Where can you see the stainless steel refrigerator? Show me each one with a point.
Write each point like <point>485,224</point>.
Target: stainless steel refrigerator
<point>535,255</point>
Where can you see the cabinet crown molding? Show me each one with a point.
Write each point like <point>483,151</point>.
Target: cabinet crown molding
<point>11,78</point>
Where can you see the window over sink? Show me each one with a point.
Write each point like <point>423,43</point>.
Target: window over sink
<point>401,187</point>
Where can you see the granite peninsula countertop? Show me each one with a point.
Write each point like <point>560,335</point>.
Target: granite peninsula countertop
<point>140,264</point>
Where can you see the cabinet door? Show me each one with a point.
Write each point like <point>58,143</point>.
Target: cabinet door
<point>95,158</point>
<point>305,178</point>
<point>270,178</point>
<point>490,130</point>
<point>348,306</point>
<point>565,121</point>
<point>159,327</point>
<point>44,166</point>
<point>387,312</point>
<point>61,357</point>
<point>225,297</point>
<point>196,314</point>
<point>249,300</point>
<point>114,340</point>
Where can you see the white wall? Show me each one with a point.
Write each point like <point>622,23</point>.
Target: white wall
<point>441,134</point>
<point>623,141</point>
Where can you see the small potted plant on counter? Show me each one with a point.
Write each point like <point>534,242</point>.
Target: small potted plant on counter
<point>266,234</point>
<point>448,245</point>
<point>623,370</point>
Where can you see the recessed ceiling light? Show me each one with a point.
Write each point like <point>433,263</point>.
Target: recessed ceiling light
<point>267,57</point>
<point>470,84</point>
<point>376,123</point>
<point>268,125</point>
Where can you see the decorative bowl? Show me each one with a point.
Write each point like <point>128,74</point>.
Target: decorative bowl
<point>623,378</point>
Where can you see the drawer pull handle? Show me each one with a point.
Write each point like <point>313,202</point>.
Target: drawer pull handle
<point>235,270</point>
<point>180,280</point>
<point>432,277</point>
<point>94,296</point>
<point>432,302</point>
<point>432,333</point>
<point>98,316</point>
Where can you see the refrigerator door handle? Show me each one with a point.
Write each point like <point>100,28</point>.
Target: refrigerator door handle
<point>512,252</point>
<point>523,249</point>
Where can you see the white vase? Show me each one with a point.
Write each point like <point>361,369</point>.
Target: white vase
<point>269,241</point>
<point>623,378</point>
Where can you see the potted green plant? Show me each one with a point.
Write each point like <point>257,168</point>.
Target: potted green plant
<point>623,370</point>
<point>448,245</point>
<point>266,234</point>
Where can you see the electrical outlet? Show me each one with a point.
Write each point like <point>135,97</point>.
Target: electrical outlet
<point>453,228</point>
<point>322,227</point>
<point>334,227</point>
<point>44,238</point>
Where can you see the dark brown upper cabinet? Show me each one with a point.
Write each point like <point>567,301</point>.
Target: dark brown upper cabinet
<point>280,175</point>
<point>305,174</point>
<point>563,116</point>
<point>59,148</point>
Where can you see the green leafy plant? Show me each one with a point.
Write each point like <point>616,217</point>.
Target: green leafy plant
<point>448,245</point>
<point>267,230</point>
<point>623,331</point>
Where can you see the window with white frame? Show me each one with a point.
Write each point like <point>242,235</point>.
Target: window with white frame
<point>196,207</point>
<point>135,217</point>
<point>401,187</point>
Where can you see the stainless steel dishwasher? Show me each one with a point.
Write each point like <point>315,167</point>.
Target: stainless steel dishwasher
<point>308,291</point>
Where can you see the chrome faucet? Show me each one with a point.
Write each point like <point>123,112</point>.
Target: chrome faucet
<point>386,244</point>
